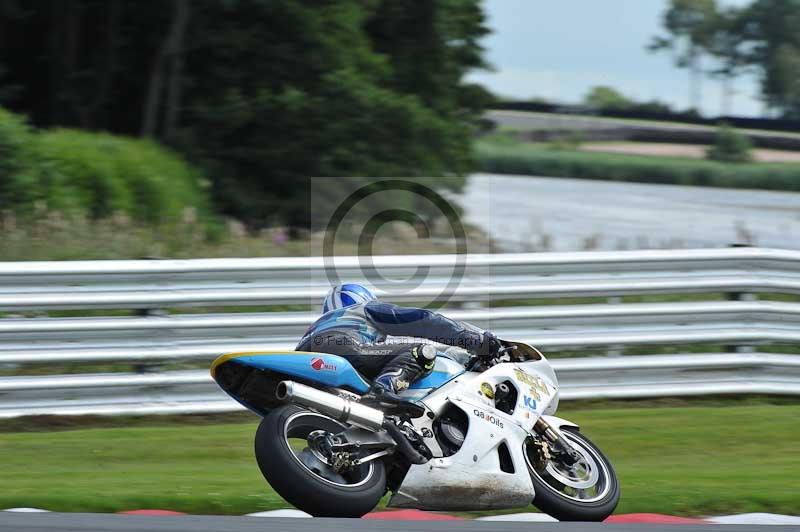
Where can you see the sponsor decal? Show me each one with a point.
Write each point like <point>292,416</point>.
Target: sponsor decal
<point>380,351</point>
<point>537,384</point>
<point>319,364</point>
<point>529,402</point>
<point>349,396</point>
<point>488,418</point>
<point>487,390</point>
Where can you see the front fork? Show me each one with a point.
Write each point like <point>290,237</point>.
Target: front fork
<point>559,445</point>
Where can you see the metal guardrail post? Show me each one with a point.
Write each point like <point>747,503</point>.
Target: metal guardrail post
<point>149,367</point>
<point>740,296</point>
<point>615,350</point>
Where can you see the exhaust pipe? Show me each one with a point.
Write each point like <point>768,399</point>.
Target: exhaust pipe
<point>326,403</point>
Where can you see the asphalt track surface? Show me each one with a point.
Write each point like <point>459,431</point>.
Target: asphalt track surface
<point>74,522</point>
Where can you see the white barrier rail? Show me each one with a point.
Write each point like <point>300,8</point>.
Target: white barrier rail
<point>554,327</point>
<point>149,284</point>
<point>580,378</point>
<point>155,337</point>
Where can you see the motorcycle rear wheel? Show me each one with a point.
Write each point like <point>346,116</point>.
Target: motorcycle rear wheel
<point>305,481</point>
<point>589,491</point>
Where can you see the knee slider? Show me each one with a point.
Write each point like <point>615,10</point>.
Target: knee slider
<point>425,355</point>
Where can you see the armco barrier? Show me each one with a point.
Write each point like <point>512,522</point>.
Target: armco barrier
<point>161,333</point>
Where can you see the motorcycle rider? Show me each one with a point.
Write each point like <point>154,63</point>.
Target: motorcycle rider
<point>355,325</point>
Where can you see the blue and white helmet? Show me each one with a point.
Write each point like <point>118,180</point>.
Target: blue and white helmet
<point>346,295</point>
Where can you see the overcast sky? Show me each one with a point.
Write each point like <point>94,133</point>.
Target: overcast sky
<point>559,49</point>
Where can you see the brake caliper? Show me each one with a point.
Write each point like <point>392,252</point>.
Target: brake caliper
<point>542,454</point>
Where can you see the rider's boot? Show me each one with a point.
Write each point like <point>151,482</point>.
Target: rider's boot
<point>397,376</point>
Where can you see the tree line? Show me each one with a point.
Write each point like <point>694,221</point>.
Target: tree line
<point>725,42</point>
<point>260,94</point>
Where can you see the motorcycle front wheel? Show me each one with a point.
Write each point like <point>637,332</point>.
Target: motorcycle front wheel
<point>585,491</point>
<point>298,473</point>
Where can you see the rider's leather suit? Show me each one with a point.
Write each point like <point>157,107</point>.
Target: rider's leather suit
<point>359,334</point>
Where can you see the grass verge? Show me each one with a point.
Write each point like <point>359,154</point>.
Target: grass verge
<point>53,236</point>
<point>505,155</point>
<point>695,460</point>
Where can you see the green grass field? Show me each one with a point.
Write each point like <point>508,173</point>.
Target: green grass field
<point>696,460</point>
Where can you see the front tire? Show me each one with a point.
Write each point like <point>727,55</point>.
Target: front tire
<point>300,477</point>
<point>587,492</point>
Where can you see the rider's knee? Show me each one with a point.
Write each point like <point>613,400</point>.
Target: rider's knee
<point>425,356</point>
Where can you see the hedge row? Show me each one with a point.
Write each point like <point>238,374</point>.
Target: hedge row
<point>93,174</point>
<point>511,157</point>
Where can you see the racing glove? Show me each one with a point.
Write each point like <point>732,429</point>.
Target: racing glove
<point>490,345</point>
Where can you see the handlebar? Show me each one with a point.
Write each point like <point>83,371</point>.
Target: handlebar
<point>476,361</point>
<point>503,350</point>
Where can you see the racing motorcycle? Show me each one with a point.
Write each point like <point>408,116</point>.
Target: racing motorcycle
<point>476,438</point>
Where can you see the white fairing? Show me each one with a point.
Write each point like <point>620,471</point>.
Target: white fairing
<point>472,478</point>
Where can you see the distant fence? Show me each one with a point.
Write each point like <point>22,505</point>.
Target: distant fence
<point>771,124</point>
<point>642,133</point>
<point>117,364</point>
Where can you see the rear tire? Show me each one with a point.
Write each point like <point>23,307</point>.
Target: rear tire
<point>351,495</point>
<point>563,502</point>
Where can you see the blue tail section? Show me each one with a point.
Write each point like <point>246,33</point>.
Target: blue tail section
<point>330,370</point>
